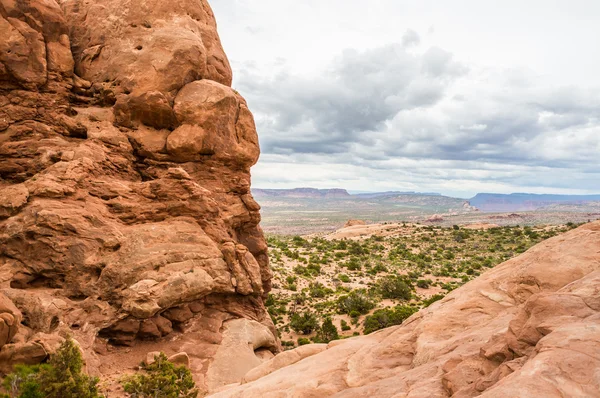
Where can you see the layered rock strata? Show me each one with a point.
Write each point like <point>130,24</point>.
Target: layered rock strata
<point>126,218</point>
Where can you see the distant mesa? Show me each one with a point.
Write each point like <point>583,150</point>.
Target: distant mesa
<point>373,195</point>
<point>335,193</point>
<point>352,223</point>
<point>301,193</point>
<point>494,202</point>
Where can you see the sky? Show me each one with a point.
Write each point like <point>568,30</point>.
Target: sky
<point>453,97</point>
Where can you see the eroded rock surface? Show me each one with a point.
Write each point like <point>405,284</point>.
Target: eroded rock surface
<point>529,327</point>
<point>126,217</point>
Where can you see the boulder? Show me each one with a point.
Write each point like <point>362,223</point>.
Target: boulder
<point>10,318</point>
<point>181,358</point>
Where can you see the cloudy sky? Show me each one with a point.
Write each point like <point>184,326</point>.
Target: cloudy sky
<point>454,97</point>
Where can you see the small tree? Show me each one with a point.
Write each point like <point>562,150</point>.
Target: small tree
<point>162,379</point>
<point>62,377</point>
<point>23,382</point>
<point>423,283</point>
<point>387,317</point>
<point>356,301</point>
<point>65,377</point>
<point>395,287</point>
<point>344,325</point>
<point>304,323</point>
<point>327,332</point>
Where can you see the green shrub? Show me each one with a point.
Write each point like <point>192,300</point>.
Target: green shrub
<point>270,300</point>
<point>387,317</point>
<point>318,290</point>
<point>344,278</point>
<point>303,341</point>
<point>327,332</point>
<point>357,249</point>
<point>423,283</point>
<point>353,264</point>
<point>356,301</point>
<point>344,325</point>
<point>304,323</point>
<point>299,298</point>
<point>23,382</point>
<point>313,269</point>
<point>299,241</point>
<point>377,269</point>
<point>62,377</point>
<point>341,245</point>
<point>301,270</point>
<point>394,287</point>
<point>427,302</point>
<point>161,379</point>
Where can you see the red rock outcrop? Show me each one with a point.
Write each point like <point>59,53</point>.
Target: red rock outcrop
<point>528,328</point>
<point>352,223</point>
<point>126,217</point>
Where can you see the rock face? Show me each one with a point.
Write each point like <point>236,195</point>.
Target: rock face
<point>529,327</point>
<point>126,217</point>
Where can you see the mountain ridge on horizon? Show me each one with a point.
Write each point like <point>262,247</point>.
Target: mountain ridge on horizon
<point>308,192</point>
<point>591,197</point>
<point>484,201</point>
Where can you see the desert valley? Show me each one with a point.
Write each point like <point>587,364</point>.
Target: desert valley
<point>139,258</point>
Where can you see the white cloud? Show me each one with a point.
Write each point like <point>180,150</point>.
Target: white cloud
<point>374,97</point>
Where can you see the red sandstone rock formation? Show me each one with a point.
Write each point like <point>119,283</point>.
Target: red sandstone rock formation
<point>528,328</point>
<point>126,217</point>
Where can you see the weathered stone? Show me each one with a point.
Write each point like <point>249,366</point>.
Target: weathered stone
<point>178,314</point>
<point>10,318</point>
<point>181,358</point>
<point>163,324</point>
<point>150,108</point>
<point>12,198</point>
<point>148,330</point>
